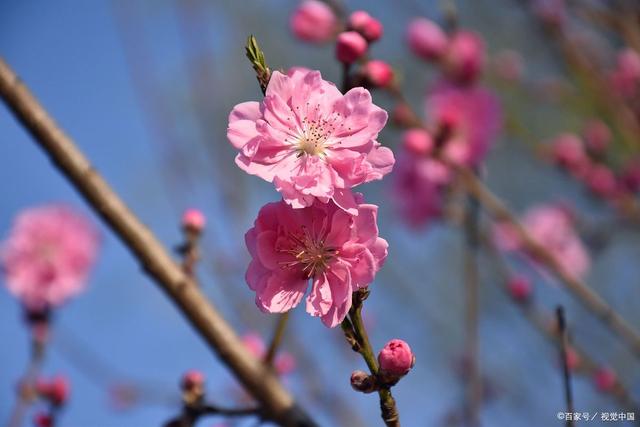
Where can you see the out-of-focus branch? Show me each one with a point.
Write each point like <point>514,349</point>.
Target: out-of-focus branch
<point>566,371</point>
<point>585,295</point>
<point>276,402</point>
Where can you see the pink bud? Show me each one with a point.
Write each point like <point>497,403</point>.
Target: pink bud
<point>551,12</point>
<point>350,47</point>
<point>193,219</point>
<point>59,390</point>
<point>426,39</point>
<point>313,21</point>
<point>396,358</point>
<point>630,178</point>
<point>465,57</point>
<point>418,141</point>
<point>568,152</point>
<point>285,363</point>
<point>42,419</point>
<point>378,73</point>
<point>629,64</point>
<point>605,379</point>
<point>369,27</point>
<point>192,380</point>
<point>519,288</point>
<point>597,136</point>
<point>601,181</point>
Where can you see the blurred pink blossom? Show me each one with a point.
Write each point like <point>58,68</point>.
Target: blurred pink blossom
<point>193,219</point>
<point>338,252</point>
<point>418,141</point>
<point>314,21</point>
<point>465,57</point>
<point>601,181</point>
<point>311,141</point>
<point>625,78</point>
<point>567,151</point>
<point>472,117</point>
<point>597,136</point>
<point>426,39</point>
<point>284,362</point>
<point>551,226</point>
<point>48,255</point>
<point>378,73</point>
<point>551,12</point>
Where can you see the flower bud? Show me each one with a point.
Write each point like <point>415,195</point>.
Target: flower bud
<point>418,141</point>
<point>568,152</point>
<point>426,39</point>
<point>551,12</point>
<point>350,47</point>
<point>597,136</point>
<point>519,288</point>
<point>601,181</point>
<point>465,57</point>
<point>363,382</point>
<point>378,73</point>
<point>192,380</point>
<point>396,358</point>
<point>313,21</point>
<point>193,219</point>
<point>365,24</point>
<point>402,115</point>
<point>573,358</point>
<point>42,419</point>
<point>56,390</point>
<point>630,178</point>
<point>605,379</point>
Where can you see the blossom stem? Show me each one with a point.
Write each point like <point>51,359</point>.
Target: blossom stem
<point>582,291</point>
<point>190,251</point>
<point>566,372</point>
<point>276,340</point>
<point>388,408</point>
<point>472,282</point>
<point>27,383</point>
<point>276,402</point>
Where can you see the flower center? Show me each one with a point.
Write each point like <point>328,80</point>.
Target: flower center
<point>309,253</point>
<point>313,138</point>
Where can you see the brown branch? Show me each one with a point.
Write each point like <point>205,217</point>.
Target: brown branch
<point>584,294</point>
<point>275,401</point>
<point>566,371</point>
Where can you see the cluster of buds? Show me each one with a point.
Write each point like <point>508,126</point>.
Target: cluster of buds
<point>314,21</point>
<point>395,360</point>
<point>585,158</point>
<point>55,392</point>
<point>461,55</point>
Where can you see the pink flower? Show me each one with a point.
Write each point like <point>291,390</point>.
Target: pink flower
<point>314,21</point>
<point>311,141</point>
<point>365,24</point>
<point>193,219</point>
<point>350,47</point>
<point>396,358</point>
<point>551,226</point>
<point>426,39</point>
<point>568,152</point>
<point>47,257</point>
<point>605,379</point>
<point>378,73</point>
<point>468,118</point>
<point>465,57</point>
<point>338,252</point>
<point>284,362</point>
<point>417,188</point>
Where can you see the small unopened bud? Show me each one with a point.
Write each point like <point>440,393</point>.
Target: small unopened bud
<point>597,136</point>
<point>194,220</point>
<point>350,47</point>
<point>605,379</point>
<point>42,419</point>
<point>314,21</point>
<point>465,57</point>
<point>396,359</point>
<point>363,382</point>
<point>519,288</point>
<point>568,152</point>
<point>601,181</point>
<point>192,380</point>
<point>426,39</point>
<point>56,390</point>
<point>370,28</point>
<point>378,73</point>
<point>418,141</point>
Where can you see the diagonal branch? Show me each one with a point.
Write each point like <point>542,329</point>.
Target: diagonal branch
<point>276,403</point>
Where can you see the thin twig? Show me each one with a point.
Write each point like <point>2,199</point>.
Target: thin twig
<point>566,372</point>
<point>25,391</point>
<point>276,340</point>
<point>472,293</point>
<point>277,403</point>
<point>584,294</point>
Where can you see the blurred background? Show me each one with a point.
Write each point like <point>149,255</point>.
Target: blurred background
<point>145,88</point>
